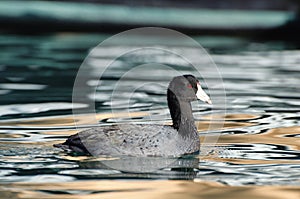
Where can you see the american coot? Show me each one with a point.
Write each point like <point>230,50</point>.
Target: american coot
<point>148,139</point>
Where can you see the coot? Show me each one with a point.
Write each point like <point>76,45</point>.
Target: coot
<point>148,139</point>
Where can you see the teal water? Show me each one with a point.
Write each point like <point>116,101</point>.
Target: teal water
<point>148,16</point>
<point>258,144</point>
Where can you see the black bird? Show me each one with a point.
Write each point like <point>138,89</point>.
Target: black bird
<point>148,139</point>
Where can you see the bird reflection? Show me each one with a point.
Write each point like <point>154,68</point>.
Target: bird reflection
<point>151,167</point>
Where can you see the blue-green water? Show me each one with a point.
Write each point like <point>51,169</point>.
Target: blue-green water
<point>258,145</point>
<point>122,14</point>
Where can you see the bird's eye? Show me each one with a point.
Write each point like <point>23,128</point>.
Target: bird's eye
<point>189,86</point>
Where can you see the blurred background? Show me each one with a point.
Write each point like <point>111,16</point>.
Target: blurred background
<point>254,43</point>
<point>276,19</point>
<point>40,39</point>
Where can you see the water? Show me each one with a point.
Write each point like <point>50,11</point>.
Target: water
<point>258,144</point>
<point>122,14</point>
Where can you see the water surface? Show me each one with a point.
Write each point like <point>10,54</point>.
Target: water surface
<point>258,143</point>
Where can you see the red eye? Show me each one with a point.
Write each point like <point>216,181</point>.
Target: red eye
<point>189,86</point>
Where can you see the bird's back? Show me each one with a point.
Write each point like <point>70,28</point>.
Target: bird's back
<point>131,139</point>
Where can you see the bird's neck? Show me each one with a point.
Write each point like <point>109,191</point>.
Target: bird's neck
<point>182,116</point>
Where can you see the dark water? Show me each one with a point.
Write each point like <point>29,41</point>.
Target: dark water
<point>258,142</point>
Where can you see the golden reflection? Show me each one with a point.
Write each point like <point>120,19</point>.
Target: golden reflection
<point>11,136</point>
<point>207,125</point>
<point>69,120</point>
<point>219,122</point>
<point>239,116</point>
<point>273,136</point>
<point>276,136</point>
<point>145,189</point>
<point>59,132</point>
<point>75,158</point>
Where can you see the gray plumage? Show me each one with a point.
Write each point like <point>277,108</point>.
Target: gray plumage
<point>147,139</point>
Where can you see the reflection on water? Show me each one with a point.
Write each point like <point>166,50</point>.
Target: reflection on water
<point>146,189</point>
<point>258,141</point>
